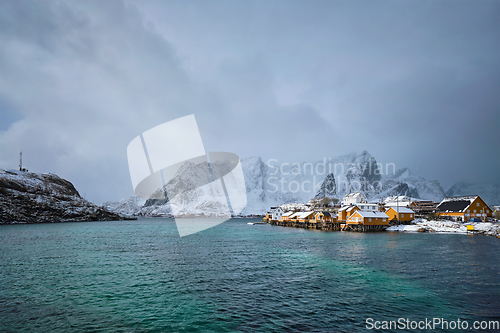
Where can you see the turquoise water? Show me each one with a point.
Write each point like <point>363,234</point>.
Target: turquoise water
<point>138,276</point>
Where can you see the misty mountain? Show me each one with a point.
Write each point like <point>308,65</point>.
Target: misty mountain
<point>269,183</point>
<point>490,193</point>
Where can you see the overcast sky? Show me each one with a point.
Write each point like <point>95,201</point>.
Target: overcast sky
<point>415,83</point>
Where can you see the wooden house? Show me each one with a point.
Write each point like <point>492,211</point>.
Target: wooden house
<point>401,214</point>
<point>305,217</point>
<point>368,218</point>
<point>423,207</point>
<point>345,212</point>
<point>323,217</point>
<point>276,213</point>
<point>464,208</point>
<point>294,216</point>
<point>267,217</point>
<point>286,216</point>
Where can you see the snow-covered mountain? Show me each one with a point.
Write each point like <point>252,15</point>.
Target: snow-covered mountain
<point>490,193</point>
<point>36,198</point>
<point>271,184</point>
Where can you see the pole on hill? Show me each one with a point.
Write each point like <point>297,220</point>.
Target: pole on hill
<point>20,161</point>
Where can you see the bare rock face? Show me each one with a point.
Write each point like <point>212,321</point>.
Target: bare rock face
<point>328,187</point>
<point>40,198</point>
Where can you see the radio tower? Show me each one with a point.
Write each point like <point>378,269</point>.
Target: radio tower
<point>21,161</point>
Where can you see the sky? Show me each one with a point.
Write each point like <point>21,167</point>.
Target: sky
<point>415,83</point>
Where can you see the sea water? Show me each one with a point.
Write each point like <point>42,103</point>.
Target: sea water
<point>140,276</point>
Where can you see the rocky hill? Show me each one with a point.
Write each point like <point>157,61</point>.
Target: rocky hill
<point>27,197</point>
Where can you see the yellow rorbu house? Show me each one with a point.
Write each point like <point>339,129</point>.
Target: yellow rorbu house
<point>401,214</point>
<point>323,216</point>
<point>345,212</point>
<point>464,208</point>
<point>306,217</point>
<point>363,220</point>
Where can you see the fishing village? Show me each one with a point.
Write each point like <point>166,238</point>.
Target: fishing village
<point>354,213</point>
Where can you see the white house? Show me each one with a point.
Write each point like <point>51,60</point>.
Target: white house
<point>276,213</point>
<point>354,198</point>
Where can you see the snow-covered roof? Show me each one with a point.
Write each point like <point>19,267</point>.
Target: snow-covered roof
<point>401,210</point>
<point>373,214</point>
<point>397,198</point>
<point>367,206</point>
<point>326,213</point>
<point>351,208</point>
<point>397,203</point>
<point>303,215</point>
<point>469,198</point>
<point>456,204</point>
<point>288,213</point>
<point>355,195</point>
<point>344,208</point>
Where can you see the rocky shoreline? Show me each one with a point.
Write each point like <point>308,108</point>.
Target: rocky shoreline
<point>421,225</point>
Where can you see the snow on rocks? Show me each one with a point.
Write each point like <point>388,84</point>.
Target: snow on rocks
<point>421,225</point>
<point>27,197</point>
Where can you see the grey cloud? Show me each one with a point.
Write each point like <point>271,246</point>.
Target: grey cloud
<point>415,83</point>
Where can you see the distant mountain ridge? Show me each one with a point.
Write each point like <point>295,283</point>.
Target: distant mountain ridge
<point>271,184</point>
<point>490,193</point>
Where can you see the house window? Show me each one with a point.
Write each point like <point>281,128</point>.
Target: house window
<point>477,204</point>
<point>370,219</point>
<point>402,215</point>
<point>411,215</point>
<point>487,211</point>
<point>474,210</point>
<point>468,210</point>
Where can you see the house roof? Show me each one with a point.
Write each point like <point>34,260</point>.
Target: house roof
<point>397,203</point>
<point>288,214</point>
<point>324,213</point>
<point>355,195</point>
<point>352,207</point>
<point>372,214</point>
<point>470,198</point>
<point>367,206</point>
<point>397,198</point>
<point>303,215</point>
<point>455,204</point>
<point>343,208</point>
<point>401,210</point>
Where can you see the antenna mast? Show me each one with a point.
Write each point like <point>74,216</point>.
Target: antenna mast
<point>21,161</point>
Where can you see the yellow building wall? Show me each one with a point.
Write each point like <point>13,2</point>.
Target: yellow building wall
<point>478,205</point>
<point>375,221</point>
<point>482,206</point>
<point>392,213</point>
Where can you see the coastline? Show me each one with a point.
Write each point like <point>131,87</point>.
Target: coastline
<point>422,225</point>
